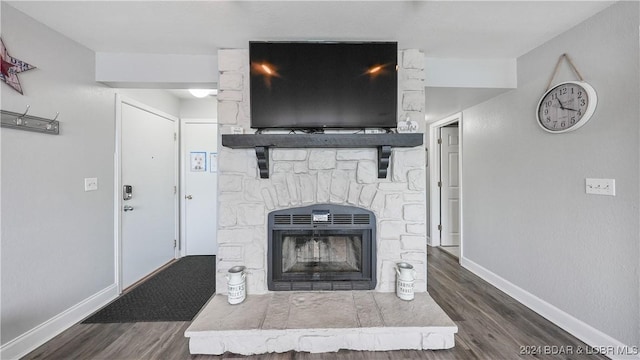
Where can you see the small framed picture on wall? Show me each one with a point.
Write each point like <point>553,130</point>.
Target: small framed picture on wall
<point>198,161</point>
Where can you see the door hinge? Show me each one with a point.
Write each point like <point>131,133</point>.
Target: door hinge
<point>439,141</point>
<point>175,189</point>
<point>439,183</point>
<point>175,136</point>
<point>175,243</point>
<point>439,227</point>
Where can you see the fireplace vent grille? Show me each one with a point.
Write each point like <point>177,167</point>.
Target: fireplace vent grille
<point>300,219</point>
<point>282,219</point>
<point>336,219</point>
<point>343,219</point>
<point>361,219</point>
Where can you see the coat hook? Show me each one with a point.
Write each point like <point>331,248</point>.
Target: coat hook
<point>50,124</point>
<point>19,120</point>
<point>26,111</point>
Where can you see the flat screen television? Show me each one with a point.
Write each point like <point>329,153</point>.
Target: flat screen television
<point>313,85</point>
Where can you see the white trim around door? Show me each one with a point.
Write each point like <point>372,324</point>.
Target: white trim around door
<point>434,193</point>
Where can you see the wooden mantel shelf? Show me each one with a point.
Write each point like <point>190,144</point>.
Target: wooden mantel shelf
<point>262,142</point>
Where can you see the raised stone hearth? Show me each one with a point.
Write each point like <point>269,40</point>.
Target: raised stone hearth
<point>319,322</point>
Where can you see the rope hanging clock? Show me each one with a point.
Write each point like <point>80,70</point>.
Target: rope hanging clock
<point>567,105</point>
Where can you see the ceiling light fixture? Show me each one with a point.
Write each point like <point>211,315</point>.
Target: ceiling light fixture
<point>202,93</point>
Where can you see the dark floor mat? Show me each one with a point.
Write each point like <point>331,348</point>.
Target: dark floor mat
<point>176,293</point>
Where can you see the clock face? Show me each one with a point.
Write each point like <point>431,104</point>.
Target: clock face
<point>567,106</point>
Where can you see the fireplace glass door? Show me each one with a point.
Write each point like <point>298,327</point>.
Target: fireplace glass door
<point>321,247</point>
<point>321,259</point>
<point>318,253</point>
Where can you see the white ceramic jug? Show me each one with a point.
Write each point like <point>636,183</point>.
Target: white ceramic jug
<point>405,280</point>
<point>236,289</point>
<point>236,275</point>
<point>405,271</point>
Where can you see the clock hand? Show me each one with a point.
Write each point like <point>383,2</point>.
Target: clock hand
<point>564,108</point>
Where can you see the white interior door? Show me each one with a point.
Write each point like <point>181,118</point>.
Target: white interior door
<point>148,165</point>
<point>450,189</point>
<point>200,187</point>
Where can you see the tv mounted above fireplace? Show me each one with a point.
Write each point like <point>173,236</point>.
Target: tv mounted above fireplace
<point>314,85</point>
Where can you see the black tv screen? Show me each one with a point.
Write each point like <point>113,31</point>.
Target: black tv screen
<point>311,85</point>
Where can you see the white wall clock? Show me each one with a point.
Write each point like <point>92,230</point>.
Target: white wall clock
<point>566,106</point>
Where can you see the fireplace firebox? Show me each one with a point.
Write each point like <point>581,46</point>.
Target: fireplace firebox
<point>322,247</point>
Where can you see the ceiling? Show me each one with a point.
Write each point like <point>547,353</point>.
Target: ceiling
<point>442,29</point>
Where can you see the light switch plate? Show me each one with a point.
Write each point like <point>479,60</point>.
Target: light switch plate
<point>601,186</point>
<point>90,184</point>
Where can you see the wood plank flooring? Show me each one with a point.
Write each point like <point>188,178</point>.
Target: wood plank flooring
<point>491,325</point>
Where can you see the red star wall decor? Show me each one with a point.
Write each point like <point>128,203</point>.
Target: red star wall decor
<point>11,67</point>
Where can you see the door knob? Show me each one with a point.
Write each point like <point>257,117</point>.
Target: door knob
<point>189,197</point>
<point>128,208</point>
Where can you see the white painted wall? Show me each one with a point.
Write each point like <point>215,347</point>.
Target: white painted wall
<point>527,218</point>
<point>57,240</point>
<point>157,70</point>
<point>471,73</point>
<point>206,108</point>
<point>157,99</point>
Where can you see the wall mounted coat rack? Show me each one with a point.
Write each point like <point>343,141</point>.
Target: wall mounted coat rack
<point>30,123</point>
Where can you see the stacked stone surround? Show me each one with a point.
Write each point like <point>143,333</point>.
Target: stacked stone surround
<point>301,177</point>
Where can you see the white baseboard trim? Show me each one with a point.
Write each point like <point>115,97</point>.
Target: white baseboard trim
<point>576,327</point>
<point>44,332</point>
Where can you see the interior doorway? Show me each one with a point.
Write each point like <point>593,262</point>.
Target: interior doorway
<point>199,139</point>
<point>446,185</point>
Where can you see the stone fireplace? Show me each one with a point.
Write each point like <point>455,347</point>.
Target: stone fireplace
<point>321,247</point>
<point>323,220</point>
<point>303,178</point>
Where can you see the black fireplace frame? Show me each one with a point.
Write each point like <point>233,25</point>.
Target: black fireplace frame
<point>325,219</point>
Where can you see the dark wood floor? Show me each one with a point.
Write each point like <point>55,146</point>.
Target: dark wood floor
<point>491,326</point>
